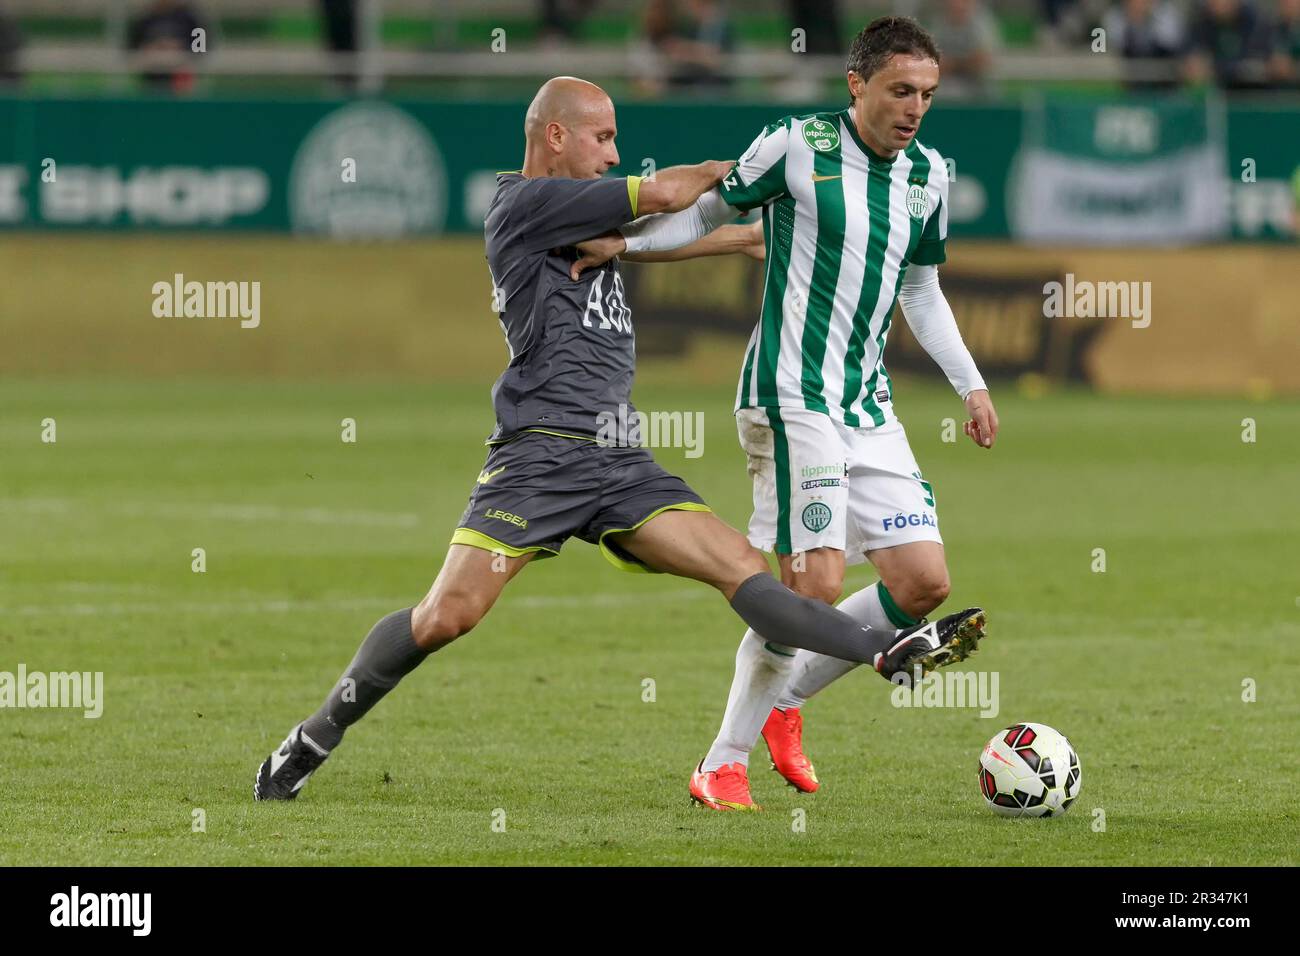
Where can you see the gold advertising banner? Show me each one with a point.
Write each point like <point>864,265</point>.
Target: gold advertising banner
<point>1217,320</point>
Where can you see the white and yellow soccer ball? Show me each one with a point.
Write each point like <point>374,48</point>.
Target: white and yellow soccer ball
<point>1029,770</point>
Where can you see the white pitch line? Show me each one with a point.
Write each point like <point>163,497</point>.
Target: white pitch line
<point>217,511</point>
<point>526,602</point>
<point>102,587</point>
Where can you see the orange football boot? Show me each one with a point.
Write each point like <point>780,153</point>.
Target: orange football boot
<point>783,733</point>
<point>726,788</point>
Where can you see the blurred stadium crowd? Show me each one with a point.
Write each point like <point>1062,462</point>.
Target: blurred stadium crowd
<point>662,47</point>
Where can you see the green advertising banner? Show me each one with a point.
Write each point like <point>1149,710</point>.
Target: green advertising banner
<point>1113,173</point>
<point>358,169</point>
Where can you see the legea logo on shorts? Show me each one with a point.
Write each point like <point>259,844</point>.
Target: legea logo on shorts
<point>816,516</point>
<point>500,515</point>
<point>914,520</point>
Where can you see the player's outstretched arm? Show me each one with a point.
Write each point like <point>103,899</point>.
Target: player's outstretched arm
<point>745,238</point>
<point>677,187</point>
<point>930,317</point>
<point>758,178</point>
<point>662,232</point>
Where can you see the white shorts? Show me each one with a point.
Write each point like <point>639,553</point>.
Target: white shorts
<point>822,484</point>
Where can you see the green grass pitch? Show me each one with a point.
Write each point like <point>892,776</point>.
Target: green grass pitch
<point>539,712</point>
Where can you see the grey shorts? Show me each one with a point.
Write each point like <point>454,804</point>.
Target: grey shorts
<point>538,490</point>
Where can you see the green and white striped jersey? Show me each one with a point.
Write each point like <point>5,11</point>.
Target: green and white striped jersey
<point>841,226</point>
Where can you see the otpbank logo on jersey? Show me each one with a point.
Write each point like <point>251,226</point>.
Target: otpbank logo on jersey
<point>918,202</point>
<point>608,309</point>
<point>821,135</point>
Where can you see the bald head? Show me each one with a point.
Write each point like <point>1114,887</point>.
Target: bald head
<point>569,129</point>
<point>566,100</point>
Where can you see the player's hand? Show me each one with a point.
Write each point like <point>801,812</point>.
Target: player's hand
<point>754,247</point>
<point>596,252</point>
<point>721,168</point>
<point>983,425</point>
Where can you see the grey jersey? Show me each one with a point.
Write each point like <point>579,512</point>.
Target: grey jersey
<point>571,344</point>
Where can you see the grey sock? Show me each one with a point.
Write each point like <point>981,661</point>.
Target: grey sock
<point>780,615</point>
<point>388,654</point>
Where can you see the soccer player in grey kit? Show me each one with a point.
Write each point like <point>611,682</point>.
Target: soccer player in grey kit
<point>547,477</point>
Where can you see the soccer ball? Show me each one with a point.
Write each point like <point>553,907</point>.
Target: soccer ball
<point>1029,770</point>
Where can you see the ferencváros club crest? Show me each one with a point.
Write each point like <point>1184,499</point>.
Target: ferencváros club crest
<point>816,516</point>
<point>399,186</point>
<point>918,202</point>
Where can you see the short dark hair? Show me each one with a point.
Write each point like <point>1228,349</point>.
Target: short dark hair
<point>884,37</point>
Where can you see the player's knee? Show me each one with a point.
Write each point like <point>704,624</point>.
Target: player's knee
<point>938,592</point>
<point>817,574</point>
<point>437,623</point>
<point>739,567</point>
<point>822,587</point>
<point>926,592</point>
<point>745,561</point>
<point>755,562</point>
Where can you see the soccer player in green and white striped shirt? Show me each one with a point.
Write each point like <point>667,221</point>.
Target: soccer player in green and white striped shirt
<point>854,219</point>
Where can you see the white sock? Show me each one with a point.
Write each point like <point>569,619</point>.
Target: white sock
<point>762,669</point>
<point>814,672</point>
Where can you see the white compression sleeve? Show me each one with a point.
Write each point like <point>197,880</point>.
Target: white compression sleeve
<point>930,317</point>
<point>672,230</point>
